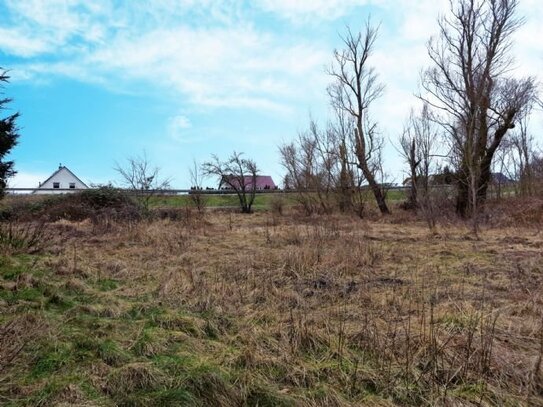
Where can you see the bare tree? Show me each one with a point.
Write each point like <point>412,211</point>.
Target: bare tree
<point>417,147</point>
<point>236,173</point>
<point>517,157</point>
<point>196,194</point>
<point>319,166</point>
<point>536,168</point>
<point>322,174</point>
<point>470,87</point>
<point>354,89</point>
<point>142,178</point>
<point>347,185</point>
<point>305,171</point>
<point>523,145</point>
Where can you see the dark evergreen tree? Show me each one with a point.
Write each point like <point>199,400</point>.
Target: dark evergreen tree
<point>8,135</point>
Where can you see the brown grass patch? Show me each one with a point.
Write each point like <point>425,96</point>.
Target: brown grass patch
<point>318,311</point>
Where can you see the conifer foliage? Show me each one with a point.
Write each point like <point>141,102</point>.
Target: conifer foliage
<point>8,134</point>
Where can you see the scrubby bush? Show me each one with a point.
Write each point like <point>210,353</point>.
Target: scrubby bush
<point>23,238</point>
<point>105,197</point>
<point>277,204</point>
<point>174,214</point>
<point>104,203</point>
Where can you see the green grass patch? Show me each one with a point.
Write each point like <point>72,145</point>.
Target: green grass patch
<point>112,353</point>
<point>107,284</point>
<point>51,359</point>
<point>262,200</point>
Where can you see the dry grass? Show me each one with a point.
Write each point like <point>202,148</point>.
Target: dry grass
<point>279,310</point>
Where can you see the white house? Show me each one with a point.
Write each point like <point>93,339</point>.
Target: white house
<point>62,179</point>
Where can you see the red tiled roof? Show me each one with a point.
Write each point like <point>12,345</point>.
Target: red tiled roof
<point>262,182</point>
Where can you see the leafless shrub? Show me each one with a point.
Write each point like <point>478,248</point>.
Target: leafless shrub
<point>142,178</point>
<point>311,163</point>
<point>277,204</point>
<point>17,237</point>
<point>416,147</point>
<point>321,168</point>
<point>15,335</point>
<point>197,197</point>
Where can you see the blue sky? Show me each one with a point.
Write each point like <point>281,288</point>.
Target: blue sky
<point>97,82</point>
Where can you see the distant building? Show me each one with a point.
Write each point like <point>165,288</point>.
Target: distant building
<point>62,179</point>
<point>263,182</point>
<point>447,178</point>
<point>500,178</point>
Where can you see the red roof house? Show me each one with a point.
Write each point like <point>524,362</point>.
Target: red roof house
<point>263,182</point>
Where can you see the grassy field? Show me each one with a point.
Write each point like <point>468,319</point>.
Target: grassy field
<point>262,200</point>
<point>268,310</point>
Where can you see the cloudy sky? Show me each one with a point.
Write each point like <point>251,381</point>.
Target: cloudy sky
<point>100,81</point>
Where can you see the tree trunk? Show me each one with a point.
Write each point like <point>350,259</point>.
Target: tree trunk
<point>380,198</point>
<point>376,189</point>
<point>369,175</point>
<point>412,200</point>
<point>462,196</point>
<point>484,180</point>
<point>463,199</point>
<point>485,166</point>
<point>345,182</point>
<point>245,208</point>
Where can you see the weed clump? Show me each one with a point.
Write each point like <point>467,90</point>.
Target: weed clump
<point>134,377</point>
<point>16,238</point>
<point>112,354</point>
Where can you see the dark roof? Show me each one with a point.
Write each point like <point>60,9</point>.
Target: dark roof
<point>262,182</point>
<point>57,171</point>
<point>500,178</point>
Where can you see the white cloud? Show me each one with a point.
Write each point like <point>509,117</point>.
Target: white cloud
<point>24,179</point>
<point>13,41</point>
<point>420,19</point>
<point>176,127</point>
<point>224,63</point>
<point>180,122</point>
<point>55,24</point>
<point>212,54</point>
<point>308,10</point>
<point>215,67</point>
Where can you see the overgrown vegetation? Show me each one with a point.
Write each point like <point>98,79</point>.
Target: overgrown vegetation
<point>99,205</point>
<point>116,298</point>
<point>276,309</point>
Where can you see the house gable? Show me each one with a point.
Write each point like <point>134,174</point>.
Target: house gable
<point>61,179</point>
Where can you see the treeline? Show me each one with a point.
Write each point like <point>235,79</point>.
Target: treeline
<point>473,119</point>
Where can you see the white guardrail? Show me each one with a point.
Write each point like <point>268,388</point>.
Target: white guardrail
<point>178,191</point>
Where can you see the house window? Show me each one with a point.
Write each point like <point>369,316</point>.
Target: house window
<point>72,185</point>
<point>56,185</point>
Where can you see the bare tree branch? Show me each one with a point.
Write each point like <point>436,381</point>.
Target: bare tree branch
<point>237,173</point>
<point>139,175</point>
<point>354,89</point>
<point>475,101</point>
